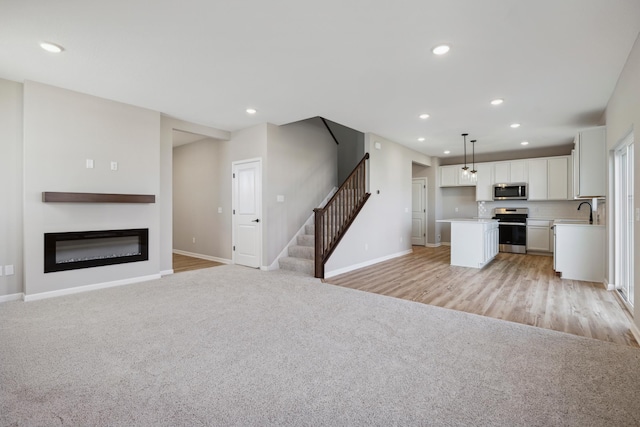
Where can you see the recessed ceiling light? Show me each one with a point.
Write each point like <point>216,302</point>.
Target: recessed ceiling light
<point>524,143</point>
<point>441,50</point>
<point>497,101</point>
<point>421,139</point>
<point>447,152</point>
<point>251,111</point>
<point>51,47</point>
<point>424,116</point>
<point>515,125</point>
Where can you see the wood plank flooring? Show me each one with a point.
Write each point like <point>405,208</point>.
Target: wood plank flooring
<point>186,263</point>
<point>517,288</point>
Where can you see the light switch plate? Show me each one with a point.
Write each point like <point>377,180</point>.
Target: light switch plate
<point>114,166</point>
<point>280,198</point>
<point>8,270</point>
<point>219,210</point>
<point>89,163</point>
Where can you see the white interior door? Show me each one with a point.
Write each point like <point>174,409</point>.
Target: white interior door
<point>247,212</point>
<point>419,211</point>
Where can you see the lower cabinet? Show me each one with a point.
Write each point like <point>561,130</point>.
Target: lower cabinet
<point>580,251</point>
<point>474,243</point>
<point>539,236</point>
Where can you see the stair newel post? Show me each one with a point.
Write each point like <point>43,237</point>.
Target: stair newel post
<point>319,243</point>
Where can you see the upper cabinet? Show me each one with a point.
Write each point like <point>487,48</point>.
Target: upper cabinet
<point>454,176</point>
<point>484,184</point>
<point>509,172</point>
<point>590,163</point>
<point>549,178</point>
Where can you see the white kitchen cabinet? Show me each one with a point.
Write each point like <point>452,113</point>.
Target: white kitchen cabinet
<point>519,171</point>
<point>558,178</point>
<point>549,178</point>
<point>448,176</point>
<point>538,235</point>
<point>484,184</point>
<point>579,253</point>
<point>510,172</point>
<point>538,179</point>
<point>501,172</point>
<point>474,242</point>
<point>590,163</point>
<point>454,176</point>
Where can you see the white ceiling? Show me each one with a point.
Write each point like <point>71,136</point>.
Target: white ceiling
<point>364,64</point>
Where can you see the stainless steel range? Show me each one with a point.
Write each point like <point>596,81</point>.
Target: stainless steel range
<point>512,224</point>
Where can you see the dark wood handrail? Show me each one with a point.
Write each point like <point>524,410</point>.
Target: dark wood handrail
<point>334,219</point>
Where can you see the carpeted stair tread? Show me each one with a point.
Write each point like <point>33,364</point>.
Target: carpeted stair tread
<point>305,252</point>
<point>300,265</point>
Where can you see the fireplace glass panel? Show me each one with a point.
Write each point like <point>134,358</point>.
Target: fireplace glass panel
<point>73,250</point>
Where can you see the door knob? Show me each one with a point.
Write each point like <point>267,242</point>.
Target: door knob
<point>256,220</point>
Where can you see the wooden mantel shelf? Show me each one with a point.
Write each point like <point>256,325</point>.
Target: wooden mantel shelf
<point>57,197</point>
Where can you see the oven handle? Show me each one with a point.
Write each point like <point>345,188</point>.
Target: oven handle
<point>512,223</point>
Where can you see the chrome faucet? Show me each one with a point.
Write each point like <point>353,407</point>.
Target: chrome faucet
<point>590,211</point>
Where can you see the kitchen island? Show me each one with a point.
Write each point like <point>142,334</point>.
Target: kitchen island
<point>474,241</point>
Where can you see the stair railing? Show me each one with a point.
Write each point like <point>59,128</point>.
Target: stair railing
<point>334,219</point>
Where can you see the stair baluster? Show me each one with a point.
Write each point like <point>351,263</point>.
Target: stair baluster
<point>334,219</point>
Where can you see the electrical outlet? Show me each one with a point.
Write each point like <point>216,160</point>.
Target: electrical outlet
<point>194,239</point>
<point>8,270</point>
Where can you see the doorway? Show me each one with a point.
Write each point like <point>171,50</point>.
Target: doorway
<point>247,212</point>
<point>624,216</point>
<point>419,211</point>
<point>201,202</point>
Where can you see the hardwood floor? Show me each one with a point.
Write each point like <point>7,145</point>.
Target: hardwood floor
<point>517,288</point>
<point>186,263</point>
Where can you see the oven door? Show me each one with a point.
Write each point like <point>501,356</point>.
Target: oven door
<point>513,237</point>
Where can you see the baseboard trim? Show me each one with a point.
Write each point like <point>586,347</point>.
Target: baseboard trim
<point>166,272</point>
<point>86,288</point>
<point>11,297</point>
<point>201,256</point>
<point>609,286</point>
<point>445,243</point>
<point>365,264</point>
<point>433,245</point>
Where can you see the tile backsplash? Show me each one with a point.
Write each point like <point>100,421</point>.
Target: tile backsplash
<point>547,209</point>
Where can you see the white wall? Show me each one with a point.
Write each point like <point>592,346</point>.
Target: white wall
<point>382,230</point>
<point>11,188</point>
<point>303,167</point>
<point>197,194</point>
<point>623,116</point>
<point>461,198</point>
<point>61,129</point>
<point>167,126</point>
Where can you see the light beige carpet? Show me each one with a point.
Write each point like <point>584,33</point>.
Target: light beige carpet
<point>235,346</point>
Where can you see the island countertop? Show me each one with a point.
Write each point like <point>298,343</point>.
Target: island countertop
<point>467,220</point>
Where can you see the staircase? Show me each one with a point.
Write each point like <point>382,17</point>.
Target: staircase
<point>300,257</point>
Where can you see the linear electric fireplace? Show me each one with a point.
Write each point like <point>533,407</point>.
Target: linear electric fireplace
<point>84,249</point>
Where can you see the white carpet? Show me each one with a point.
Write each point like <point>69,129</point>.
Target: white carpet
<point>236,346</point>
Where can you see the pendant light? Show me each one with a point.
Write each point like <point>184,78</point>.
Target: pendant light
<point>465,168</point>
<point>474,172</point>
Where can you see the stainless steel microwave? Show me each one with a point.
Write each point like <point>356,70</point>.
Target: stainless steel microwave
<point>513,191</point>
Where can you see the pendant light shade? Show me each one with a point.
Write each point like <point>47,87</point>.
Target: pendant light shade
<point>465,168</point>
